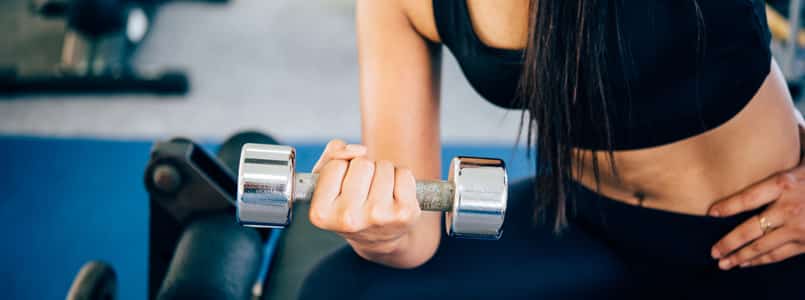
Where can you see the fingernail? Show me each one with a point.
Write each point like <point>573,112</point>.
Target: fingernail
<point>724,264</point>
<point>744,265</point>
<point>715,213</point>
<point>355,148</point>
<point>716,254</point>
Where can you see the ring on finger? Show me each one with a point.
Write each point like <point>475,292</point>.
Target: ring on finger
<point>765,224</point>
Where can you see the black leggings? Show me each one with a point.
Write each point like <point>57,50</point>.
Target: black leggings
<point>610,250</point>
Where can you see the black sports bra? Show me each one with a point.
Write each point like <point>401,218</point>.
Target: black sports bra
<point>674,91</point>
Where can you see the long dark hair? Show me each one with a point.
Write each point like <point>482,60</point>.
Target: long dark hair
<point>565,79</point>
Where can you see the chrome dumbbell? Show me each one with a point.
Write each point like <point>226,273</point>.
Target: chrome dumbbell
<point>473,198</point>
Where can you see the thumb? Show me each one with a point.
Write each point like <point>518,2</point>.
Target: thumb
<point>339,150</point>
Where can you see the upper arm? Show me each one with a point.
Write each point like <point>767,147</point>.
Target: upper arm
<point>399,88</point>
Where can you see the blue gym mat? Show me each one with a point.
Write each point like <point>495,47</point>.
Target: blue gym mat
<point>67,201</point>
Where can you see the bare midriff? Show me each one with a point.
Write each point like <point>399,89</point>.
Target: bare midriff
<point>689,175</point>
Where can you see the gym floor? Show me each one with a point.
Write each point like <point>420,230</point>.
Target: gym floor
<point>71,166</point>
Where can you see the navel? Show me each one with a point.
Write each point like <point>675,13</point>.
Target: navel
<point>641,197</point>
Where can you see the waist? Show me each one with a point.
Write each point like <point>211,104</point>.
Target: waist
<point>651,235</point>
<point>687,176</point>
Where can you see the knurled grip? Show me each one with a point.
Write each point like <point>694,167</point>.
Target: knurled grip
<point>432,195</point>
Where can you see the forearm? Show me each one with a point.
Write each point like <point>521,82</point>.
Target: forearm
<point>399,84</point>
<point>416,146</point>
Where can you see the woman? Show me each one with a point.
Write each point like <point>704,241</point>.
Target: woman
<point>668,163</point>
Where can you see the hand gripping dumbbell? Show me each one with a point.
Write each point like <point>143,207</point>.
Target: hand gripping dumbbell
<point>473,198</point>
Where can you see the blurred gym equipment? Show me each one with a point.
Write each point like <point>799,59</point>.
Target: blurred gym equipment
<point>100,39</point>
<point>184,180</point>
<point>473,198</point>
<point>95,281</point>
<point>207,256</point>
<point>788,42</point>
<point>196,249</point>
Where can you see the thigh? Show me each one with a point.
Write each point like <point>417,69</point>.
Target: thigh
<point>782,280</point>
<point>528,261</point>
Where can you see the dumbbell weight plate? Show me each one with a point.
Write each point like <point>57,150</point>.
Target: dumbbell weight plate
<point>480,199</point>
<point>229,152</point>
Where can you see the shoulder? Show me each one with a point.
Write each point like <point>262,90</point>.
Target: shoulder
<point>418,13</point>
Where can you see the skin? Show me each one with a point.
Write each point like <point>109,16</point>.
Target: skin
<point>399,90</point>
<point>366,194</point>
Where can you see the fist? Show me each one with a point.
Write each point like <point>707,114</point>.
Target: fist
<point>371,204</point>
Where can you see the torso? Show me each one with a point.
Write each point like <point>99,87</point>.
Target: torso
<point>688,176</point>
<point>685,175</point>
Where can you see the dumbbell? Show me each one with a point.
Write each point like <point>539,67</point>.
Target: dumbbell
<point>473,198</point>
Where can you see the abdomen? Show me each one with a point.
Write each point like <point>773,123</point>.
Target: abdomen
<point>687,176</point>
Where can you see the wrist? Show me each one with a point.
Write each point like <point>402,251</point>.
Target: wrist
<point>412,250</point>
<point>390,253</point>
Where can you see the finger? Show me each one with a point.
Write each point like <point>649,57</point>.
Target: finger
<point>354,192</point>
<point>405,195</point>
<point>327,189</point>
<point>781,253</point>
<point>381,195</point>
<point>748,231</point>
<point>763,245</point>
<point>338,149</point>
<point>332,146</point>
<point>753,197</point>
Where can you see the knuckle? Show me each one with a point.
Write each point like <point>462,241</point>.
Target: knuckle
<point>728,245</point>
<point>347,223</point>
<point>379,216</point>
<point>406,216</point>
<point>795,209</point>
<point>361,163</point>
<point>744,255</point>
<point>743,235</point>
<point>317,218</point>
<point>335,144</point>
<point>785,180</point>
<point>402,217</point>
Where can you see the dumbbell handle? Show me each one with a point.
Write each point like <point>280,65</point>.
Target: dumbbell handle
<point>433,195</point>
